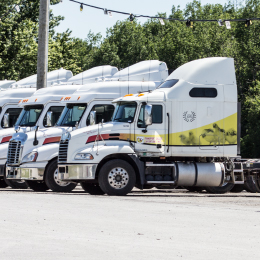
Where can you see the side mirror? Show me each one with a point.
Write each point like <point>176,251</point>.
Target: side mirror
<point>92,118</point>
<point>148,115</point>
<point>6,120</point>
<point>49,118</point>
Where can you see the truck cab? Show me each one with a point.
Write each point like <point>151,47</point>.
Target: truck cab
<point>90,104</point>
<point>182,133</point>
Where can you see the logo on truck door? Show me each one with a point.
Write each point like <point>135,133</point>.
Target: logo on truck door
<point>140,139</point>
<point>189,117</point>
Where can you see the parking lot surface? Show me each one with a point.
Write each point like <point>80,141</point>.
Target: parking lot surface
<point>150,224</point>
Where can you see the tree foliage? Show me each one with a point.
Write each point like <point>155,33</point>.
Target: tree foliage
<point>129,42</point>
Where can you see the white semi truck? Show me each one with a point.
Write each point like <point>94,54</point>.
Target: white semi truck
<point>43,109</point>
<point>10,109</point>
<point>38,164</point>
<point>184,133</point>
<point>9,112</point>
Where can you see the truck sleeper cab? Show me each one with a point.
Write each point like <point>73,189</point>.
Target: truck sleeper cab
<point>183,133</point>
<point>90,104</point>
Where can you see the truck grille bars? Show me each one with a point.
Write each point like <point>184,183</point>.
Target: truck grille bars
<point>14,152</point>
<point>63,150</point>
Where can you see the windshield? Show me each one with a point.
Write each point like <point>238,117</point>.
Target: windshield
<point>29,116</point>
<point>71,114</point>
<point>125,112</point>
<point>169,83</point>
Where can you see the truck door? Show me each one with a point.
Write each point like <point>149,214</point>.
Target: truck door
<point>152,138</point>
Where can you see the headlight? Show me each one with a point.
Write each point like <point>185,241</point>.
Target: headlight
<point>30,157</point>
<point>84,156</point>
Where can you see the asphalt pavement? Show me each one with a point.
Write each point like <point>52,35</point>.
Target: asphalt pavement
<point>153,224</point>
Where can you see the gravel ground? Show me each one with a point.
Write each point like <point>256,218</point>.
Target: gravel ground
<point>152,224</point>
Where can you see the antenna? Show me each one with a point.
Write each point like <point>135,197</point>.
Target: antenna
<point>128,78</point>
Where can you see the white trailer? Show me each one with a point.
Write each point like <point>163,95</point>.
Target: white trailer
<point>183,133</point>
<point>38,164</point>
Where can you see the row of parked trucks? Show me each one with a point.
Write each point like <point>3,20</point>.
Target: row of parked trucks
<point>113,130</point>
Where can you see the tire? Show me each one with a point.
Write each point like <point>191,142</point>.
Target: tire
<point>226,187</point>
<point>117,169</point>
<point>92,188</point>
<point>3,184</point>
<point>16,184</point>
<point>238,188</point>
<point>194,189</point>
<point>52,181</point>
<point>252,184</point>
<point>37,185</point>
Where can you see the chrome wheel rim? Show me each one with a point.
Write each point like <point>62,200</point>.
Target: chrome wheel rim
<point>59,182</point>
<point>118,178</point>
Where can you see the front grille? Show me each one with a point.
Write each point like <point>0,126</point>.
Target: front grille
<point>13,155</point>
<point>63,150</point>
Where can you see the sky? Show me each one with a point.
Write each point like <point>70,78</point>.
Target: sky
<point>80,23</point>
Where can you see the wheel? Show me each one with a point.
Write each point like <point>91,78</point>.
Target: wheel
<point>226,187</point>
<point>238,188</point>
<point>194,189</point>
<point>116,177</point>
<point>16,184</point>
<point>252,183</point>
<point>3,184</point>
<point>37,185</point>
<point>92,188</point>
<point>51,179</point>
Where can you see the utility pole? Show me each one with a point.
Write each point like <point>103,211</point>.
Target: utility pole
<point>43,35</point>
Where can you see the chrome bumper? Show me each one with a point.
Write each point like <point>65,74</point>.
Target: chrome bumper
<point>18,173</point>
<point>75,172</point>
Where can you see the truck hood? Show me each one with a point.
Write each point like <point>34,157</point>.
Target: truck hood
<point>44,137</point>
<point>108,131</point>
<point>6,135</point>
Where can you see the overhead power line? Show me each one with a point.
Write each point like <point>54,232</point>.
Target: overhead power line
<point>189,22</point>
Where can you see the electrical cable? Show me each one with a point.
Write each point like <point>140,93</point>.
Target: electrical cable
<point>132,16</point>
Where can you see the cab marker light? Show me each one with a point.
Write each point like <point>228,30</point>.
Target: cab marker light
<point>128,95</point>
<point>78,98</point>
<point>140,95</point>
<point>35,100</point>
<point>61,98</point>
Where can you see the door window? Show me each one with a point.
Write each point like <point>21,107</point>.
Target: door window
<point>102,112</point>
<point>56,112</point>
<point>13,115</point>
<point>156,116</point>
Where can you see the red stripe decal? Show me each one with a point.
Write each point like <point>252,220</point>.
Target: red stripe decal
<point>94,137</point>
<point>6,139</point>
<point>49,140</point>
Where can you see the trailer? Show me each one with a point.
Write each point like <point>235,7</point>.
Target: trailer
<point>184,133</point>
<point>89,105</point>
